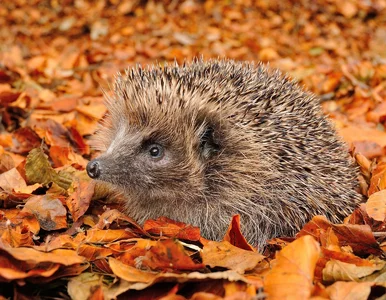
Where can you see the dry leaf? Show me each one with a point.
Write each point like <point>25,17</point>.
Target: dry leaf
<point>225,255</point>
<point>50,212</point>
<point>234,235</point>
<point>376,206</point>
<point>79,201</point>
<point>169,228</point>
<point>12,180</point>
<point>59,256</point>
<point>39,170</point>
<point>340,271</point>
<point>292,276</point>
<point>349,290</point>
<point>83,286</point>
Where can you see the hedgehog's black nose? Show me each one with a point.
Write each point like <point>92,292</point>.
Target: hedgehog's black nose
<point>93,169</point>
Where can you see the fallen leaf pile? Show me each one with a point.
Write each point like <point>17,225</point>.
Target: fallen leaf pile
<point>62,236</point>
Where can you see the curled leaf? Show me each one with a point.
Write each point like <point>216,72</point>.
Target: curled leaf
<point>39,170</point>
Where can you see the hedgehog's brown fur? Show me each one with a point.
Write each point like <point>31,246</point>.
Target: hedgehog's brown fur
<point>238,139</point>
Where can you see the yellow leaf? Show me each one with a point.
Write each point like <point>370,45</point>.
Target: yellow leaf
<point>39,170</point>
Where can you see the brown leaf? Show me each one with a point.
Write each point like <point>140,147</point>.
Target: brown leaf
<point>7,97</point>
<point>64,271</point>
<point>355,133</point>
<point>79,201</point>
<point>51,131</point>
<point>24,140</point>
<point>336,270</point>
<point>358,237</point>
<point>225,255</point>
<point>50,212</point>
<point>62,241</point>
<point>234,235</point>
<point>140,279</point>
<point>169,228</point>
<point>76,138</point>
<point>168,255</point>
<point>368,148</point>
<point>292,276</point>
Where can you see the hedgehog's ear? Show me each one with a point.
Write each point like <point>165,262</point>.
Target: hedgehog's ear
<point>208,144</point>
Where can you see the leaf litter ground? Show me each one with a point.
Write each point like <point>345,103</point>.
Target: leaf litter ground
<point>61,238</point>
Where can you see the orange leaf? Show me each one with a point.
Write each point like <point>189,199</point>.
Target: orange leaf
<point>130,273</point>
<point>63,241</point>
<point>114,216</point>
<point>63,271</point>
<point>96,111</point>
<point>50,213</point>
<point>234,235</point>
<point>16,237</point>
<point>53,132</point>
<point>93,252</point>
<point>292,276</point>
<point>350,290</point>
<point>225,255</point>
<point>376,206</point>
<point>61,256</point>
<point>79,201</point>
<point>12,180</point>
<point>62,156</point>
<point>378,178</point>
<point>108,236</point>
<point>10,271</point>
<point>169,228</point>
<point>18,217</point>
<point>168,255</point>
<point>317,226</point>
<point>158,255</point>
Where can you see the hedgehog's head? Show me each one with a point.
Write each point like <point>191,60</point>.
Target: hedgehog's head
<point>164,141</point>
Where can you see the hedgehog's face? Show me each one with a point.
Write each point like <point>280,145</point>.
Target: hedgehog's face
<point>157,160</point>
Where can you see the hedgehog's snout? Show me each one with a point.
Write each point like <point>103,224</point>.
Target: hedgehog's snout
<point>94,169</point>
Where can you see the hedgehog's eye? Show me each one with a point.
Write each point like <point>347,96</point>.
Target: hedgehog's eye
<point>156,151</point>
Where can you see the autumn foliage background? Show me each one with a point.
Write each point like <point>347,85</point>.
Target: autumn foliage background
<point>60,237</point>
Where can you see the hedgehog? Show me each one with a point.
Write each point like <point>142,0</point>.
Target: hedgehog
<point>206,140</point>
